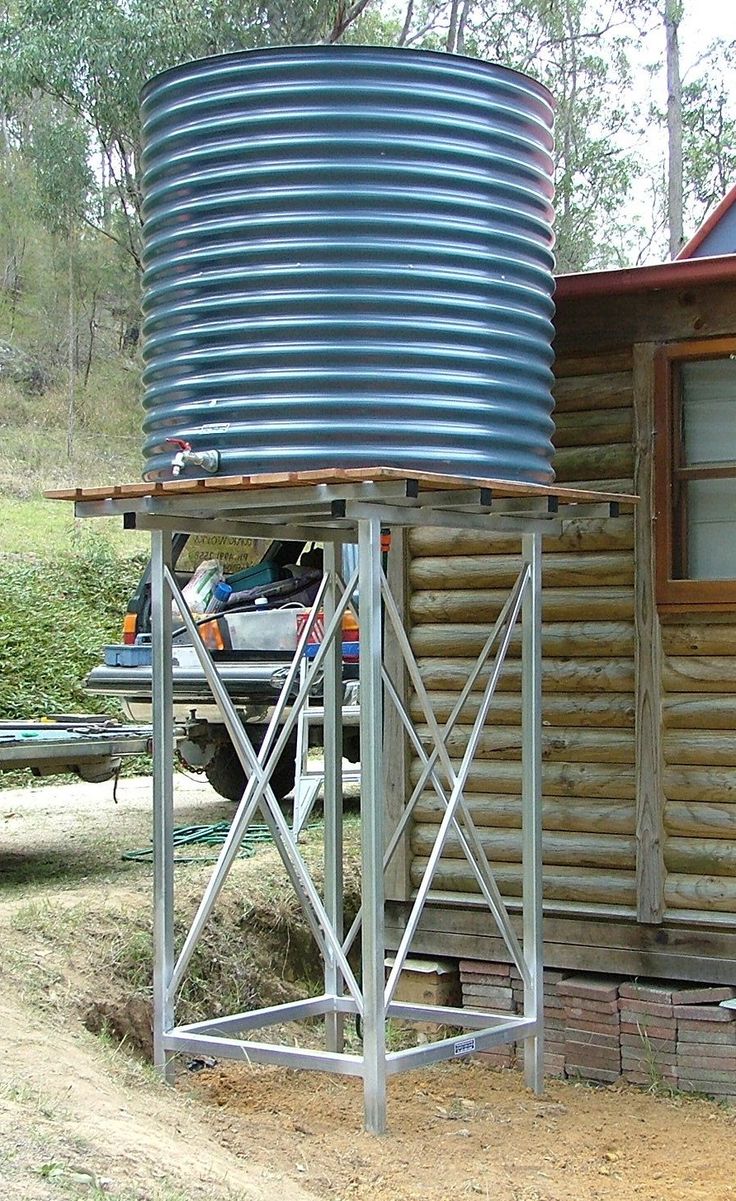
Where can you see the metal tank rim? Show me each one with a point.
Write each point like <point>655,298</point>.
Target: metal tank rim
<point>314,49</point>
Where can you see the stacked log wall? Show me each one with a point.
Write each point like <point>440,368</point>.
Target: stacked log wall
<point>457,584</point>
<point>699,742</point>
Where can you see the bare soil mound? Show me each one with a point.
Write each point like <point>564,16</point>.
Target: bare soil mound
<point>75,947</point>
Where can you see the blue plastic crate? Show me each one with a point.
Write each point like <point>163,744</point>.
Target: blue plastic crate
<point>121,655</point>
<point>350,650</point>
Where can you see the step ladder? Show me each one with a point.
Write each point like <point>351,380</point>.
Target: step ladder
<point>310,776</point>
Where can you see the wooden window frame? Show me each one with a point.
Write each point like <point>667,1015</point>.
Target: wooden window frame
<point>681,595</point>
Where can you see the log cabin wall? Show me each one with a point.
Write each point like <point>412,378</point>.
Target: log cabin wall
<point>699,743</point>
<point>639,713</point>
<point>457,581</point>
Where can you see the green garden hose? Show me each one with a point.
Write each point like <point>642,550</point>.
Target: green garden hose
<point>205,836</point>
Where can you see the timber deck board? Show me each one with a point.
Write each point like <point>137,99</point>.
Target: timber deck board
<point>426,481</point>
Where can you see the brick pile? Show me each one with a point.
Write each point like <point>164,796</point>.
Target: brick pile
<point>706,1041</point>
<point>487,987</point>
<point>554,1019</point>
<point>592,1027</point>
<point>648,1033</point>
<point>600,1027</point>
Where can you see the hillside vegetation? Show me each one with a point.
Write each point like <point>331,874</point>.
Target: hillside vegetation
<point>71,209</point>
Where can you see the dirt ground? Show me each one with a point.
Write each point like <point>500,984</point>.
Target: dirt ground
<point>82,1117</point>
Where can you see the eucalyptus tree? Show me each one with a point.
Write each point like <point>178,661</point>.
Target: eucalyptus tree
<point>63,184</point>
<point>93,56</point>
<point>579,49</point>
<point>709,129</point>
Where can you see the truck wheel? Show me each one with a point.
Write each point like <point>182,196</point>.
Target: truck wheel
<point>225,771</point>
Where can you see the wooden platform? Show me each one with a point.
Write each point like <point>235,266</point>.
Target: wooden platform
<point>423,482</point>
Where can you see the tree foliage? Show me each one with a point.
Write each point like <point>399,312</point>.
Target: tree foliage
<point>92,58</point>
<point>70,206</point>
<point>709,130</point>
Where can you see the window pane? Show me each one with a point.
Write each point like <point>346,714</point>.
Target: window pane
<point>711,529</point>
<point>709,411</point>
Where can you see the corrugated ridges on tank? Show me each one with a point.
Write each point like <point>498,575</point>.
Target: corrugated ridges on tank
<point>348,262</point>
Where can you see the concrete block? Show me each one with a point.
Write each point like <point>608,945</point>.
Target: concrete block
<point>647,1079</point>
<point>711,1050</point>
<point>602,1075</point>
<point>635,1041</point>
<point>588,1038</point>
<point>476,979</point>
<point>723,1091</point>
<point>647,1021</point>
<point>704,1013</point>
<point>597,1057</point>
<point>598,1008</point>
<point>698,1032</point>
<point>640,1062</point>
<point>503,997</point>
<point>427,982</point>
<point>647,990</point>
<point>484,967</point>
<point>641,1029</point>
<point>706,1063</point>
<point>650,1008</point>
<point>703,1077</point>
<point>710,994</point>
<point>591,988</point>
<point>593,1027</point>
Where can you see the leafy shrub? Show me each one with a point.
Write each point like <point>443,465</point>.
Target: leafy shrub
<point>56,614</point>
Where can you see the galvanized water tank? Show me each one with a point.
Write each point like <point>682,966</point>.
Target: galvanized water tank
<point>348,262</point>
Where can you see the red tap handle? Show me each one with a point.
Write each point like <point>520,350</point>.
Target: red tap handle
<point>178,442</point>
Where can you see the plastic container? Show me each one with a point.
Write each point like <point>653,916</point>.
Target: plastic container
<point>120,655</point>
<point>254,577</point>
<point>262,630</point>
<point>220,597</point>
<point>350,636</point>
<point>198,590</point>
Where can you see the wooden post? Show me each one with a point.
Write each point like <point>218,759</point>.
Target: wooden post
<point>650,869</point>
<point>396,750</point>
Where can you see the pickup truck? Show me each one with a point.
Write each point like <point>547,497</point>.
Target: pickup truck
<point>254,640</point>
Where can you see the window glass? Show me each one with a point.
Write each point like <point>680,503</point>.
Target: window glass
<point>705,513</point>
<point>709,411</point>
<point>711,529</point>
<point>695,475</point>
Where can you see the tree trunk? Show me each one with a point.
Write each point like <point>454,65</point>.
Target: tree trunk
<point>71,412</point>
<point>451,44</point>
<point>406,28</point>
<point>462,22</point>
<point>672,17</point>
<point>90,347</point>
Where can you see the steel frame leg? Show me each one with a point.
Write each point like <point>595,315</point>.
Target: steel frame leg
<point>371,726</point>
<point>163,803</point>
<point>333,835</point>
<point>531,807</point>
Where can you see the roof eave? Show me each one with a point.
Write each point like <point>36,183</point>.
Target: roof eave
<point>679,273</point>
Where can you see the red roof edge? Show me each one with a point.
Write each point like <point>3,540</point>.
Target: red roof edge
<point>680,273</point>
<point>710,223</point>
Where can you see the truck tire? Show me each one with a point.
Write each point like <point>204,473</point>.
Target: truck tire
<point>225,771</point>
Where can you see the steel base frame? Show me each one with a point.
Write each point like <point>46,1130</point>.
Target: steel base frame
<point>367,994</point>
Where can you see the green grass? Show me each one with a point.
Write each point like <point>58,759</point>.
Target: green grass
<point>47,527</point>
<point>58,612</point>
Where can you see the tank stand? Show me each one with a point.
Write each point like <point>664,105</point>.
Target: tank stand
<point>334,513</point>
<point>372,998</point>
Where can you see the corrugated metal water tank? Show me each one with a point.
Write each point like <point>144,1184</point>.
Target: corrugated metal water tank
<point>348,262</point>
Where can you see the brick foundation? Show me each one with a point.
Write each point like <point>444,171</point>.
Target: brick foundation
<point>606,1028</point>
